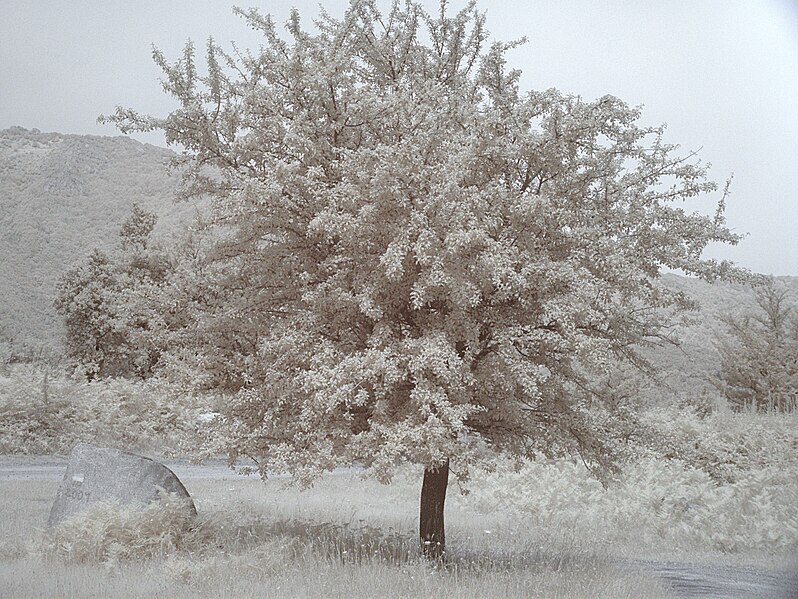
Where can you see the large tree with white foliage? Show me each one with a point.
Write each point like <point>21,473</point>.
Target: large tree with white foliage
<point>413,259</point>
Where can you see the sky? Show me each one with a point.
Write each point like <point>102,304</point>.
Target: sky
<point>723,75</point>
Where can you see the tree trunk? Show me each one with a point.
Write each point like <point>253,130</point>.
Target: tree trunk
<point>433,497</point>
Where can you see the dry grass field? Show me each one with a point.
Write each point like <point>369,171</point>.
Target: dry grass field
<point>345,537</point>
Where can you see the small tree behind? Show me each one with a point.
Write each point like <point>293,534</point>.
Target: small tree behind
<point>759,354</point>
<point>104,304</point>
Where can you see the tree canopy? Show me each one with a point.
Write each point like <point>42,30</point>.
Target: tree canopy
<point>412,258</point>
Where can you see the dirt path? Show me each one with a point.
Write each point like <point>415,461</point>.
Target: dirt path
<point>719,581</point>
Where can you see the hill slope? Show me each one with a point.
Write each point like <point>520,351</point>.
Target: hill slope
<point>61,196</point>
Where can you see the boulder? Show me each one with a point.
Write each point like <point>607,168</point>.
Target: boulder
<point>99,474</point>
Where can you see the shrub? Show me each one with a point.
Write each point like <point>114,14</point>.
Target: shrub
<point>110,532</point>
<point>728,486</point>
<point>725,445</point>
<point>46,414</point>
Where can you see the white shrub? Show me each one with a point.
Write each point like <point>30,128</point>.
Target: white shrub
<point>740,494</point>
<point>109,532</point>
<point>46,415</point>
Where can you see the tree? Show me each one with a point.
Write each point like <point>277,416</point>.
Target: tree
<point>104,303</point>
<point>414,260</point>
<point>759,355</point>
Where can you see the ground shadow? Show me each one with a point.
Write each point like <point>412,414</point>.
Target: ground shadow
<point>358,543</point>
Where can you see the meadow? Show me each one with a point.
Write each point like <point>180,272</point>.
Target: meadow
<point>346,537</point>
<point>720,494</point>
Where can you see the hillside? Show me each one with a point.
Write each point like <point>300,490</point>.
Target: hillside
<point>61,196</point>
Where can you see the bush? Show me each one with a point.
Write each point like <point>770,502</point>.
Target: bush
<point>43,413</point>
<point>725,445</point>
<point>110,532</point>
<point>729,486</point>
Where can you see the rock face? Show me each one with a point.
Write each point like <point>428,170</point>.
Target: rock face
<point>96,474</point>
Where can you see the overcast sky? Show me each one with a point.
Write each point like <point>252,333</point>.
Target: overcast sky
<point>722,74</point>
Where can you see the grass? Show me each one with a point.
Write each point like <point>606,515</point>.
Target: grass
<point>346,537</point>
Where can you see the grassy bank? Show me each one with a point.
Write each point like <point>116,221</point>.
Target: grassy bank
<point>343,538</point>
<point>346,537</point>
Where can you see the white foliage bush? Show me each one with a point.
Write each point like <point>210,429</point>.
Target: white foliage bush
<point>49,414</point>
<point>658,501</point>
<point>725,445</point>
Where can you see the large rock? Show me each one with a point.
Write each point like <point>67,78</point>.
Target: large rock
<point>97,474</point>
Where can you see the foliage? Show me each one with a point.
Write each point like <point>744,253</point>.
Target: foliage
<point>109,532</point>
<point>734,491</point>
<point>759,354</point>
<point>104,303</point>
<point>412,253</point>
<point>725,446</point>
<point>44,412</point>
